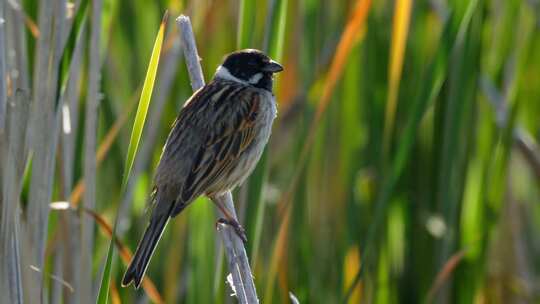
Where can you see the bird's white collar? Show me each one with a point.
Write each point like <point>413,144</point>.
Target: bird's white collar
<point>223,73</point>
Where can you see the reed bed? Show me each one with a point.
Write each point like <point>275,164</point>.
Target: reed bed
<point>404,166</point>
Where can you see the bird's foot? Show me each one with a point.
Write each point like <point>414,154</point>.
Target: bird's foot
<point>238,229</point>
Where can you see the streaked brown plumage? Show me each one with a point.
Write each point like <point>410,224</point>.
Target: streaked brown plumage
<point>215,143</point>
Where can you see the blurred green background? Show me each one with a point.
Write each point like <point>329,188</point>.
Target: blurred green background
<point>403,166</point>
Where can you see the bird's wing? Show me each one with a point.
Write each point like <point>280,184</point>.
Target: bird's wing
<point>208,136</point>
<point>217,157</point>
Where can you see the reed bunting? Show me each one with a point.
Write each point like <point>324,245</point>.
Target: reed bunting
<point>214,145</point>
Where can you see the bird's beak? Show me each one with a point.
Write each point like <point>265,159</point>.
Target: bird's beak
<point>272,67</point>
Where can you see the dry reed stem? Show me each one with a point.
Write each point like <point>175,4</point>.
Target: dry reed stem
<point>90,138</point>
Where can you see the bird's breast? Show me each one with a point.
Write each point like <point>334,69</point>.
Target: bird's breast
<point>251,156</point>
<point>263,124</point>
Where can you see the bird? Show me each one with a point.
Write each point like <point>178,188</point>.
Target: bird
<point>214,144</point>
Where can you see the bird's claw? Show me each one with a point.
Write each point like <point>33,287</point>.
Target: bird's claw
<point>238,229</point>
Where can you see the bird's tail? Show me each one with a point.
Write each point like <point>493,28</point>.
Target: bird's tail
<point>145,249</point>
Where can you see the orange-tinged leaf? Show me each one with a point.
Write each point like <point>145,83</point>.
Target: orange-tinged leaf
<point>350,267</point>
<point>115,295</point>
<point>445,273</point>
<point>289,84</point>
<point>400,30</point>
<point>346,43</point>
<point>351,35</point>
<point>349,38</point>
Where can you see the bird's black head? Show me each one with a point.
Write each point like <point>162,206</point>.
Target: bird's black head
<point>249,66</point>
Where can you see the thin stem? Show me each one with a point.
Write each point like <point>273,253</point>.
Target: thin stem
<point>90,139</point>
